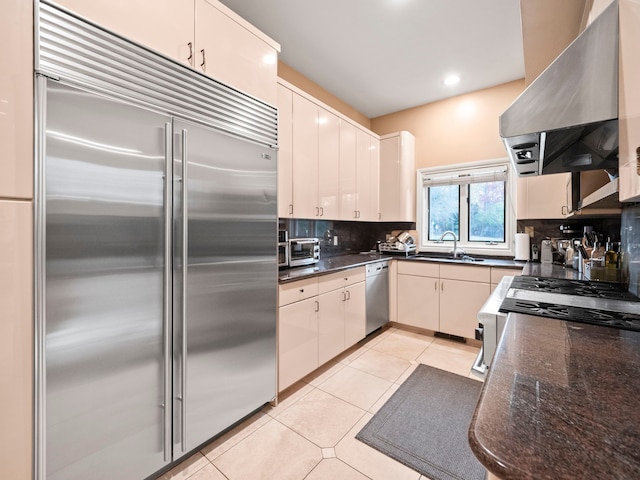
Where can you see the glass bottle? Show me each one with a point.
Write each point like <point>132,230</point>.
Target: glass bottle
<point>611,256</point>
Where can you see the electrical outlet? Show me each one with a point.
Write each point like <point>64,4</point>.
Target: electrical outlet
<point>529,230</point>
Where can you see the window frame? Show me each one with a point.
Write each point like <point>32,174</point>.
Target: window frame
<point>463,171</point>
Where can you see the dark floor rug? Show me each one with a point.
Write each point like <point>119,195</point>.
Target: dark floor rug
<point>424,425</point>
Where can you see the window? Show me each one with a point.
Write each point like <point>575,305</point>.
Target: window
<point>471,200</point>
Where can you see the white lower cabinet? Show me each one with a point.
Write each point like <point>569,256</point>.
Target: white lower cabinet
<point>441,297</point>
<point>297,341</point>
<point>419,301</point>
<point>318,318</point>
<point>297,331</point>
<point>330,325</point>
<point>355,314</point>
<point>460,302</point>
<point>342,312</point>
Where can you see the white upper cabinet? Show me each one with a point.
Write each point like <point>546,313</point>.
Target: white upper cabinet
<point>629,98</point>
<point>285,152</point>
<point>332,170</point>
<point>204,34</point>
<point>543,197</point>
<point>328,164</point>
<point>367,176</point>
<point>168,33</point>
<point>348,187</point>
<point>305,158</point>
<point>397,177</point>
<point>232,51</point>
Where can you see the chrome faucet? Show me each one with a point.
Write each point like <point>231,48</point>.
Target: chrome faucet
<point>455,243</point>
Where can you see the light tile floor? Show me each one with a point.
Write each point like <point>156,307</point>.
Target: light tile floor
<point>311,433</point>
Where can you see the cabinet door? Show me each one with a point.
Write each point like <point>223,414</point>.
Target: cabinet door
<point>374,178</point>
<point>331,325</point>
<point>328,164</point>
<point>305,158</point>
<point>16,340</point>
<point>543,197</point>
<point>285,154</point>
<point>460,302</point>
<point>390,194</point>
<point>364,197</point>
<point>165,26</point>
<point>233,54</point>
<point>629,123</point>
<point>347,171</point>
<point>355,314</point>
<point>407,197</point>
<point>16,100</point>
<point>297,341</point>
<point>418,301</point>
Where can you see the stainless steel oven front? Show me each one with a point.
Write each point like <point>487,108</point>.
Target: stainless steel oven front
<point>303,251</point>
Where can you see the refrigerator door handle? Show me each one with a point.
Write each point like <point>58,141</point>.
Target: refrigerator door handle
<point>185,239</point>
<point>168,252</point>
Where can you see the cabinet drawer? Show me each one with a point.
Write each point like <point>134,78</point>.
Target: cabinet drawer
<point>498,273</point>
<point>337,280</point>
<point>465,272</point>
<point>296,291</point>
<point>418,268</point>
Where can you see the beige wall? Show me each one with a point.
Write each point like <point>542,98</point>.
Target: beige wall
<point>299,80</point>
<point>456,130</point>
<point>548,27</point>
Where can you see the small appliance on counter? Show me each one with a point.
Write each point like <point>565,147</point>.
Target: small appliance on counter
<point>546,251</point>
<point>304,251</point>
<point>403,243</point>
<point>283,249</point>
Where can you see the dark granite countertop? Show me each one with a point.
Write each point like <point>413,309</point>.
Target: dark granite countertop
<point>560,402</point>
<point>343,262</point>
<point>330,265</point>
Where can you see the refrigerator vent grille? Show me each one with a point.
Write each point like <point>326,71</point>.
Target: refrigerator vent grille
<point>82,54</point>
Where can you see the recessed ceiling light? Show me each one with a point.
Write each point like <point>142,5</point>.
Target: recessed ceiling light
<point>451,80</point>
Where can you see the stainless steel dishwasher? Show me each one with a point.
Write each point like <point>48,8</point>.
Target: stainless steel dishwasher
<point>377,285</point>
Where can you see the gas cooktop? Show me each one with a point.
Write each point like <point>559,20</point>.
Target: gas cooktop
<point>596,303</point>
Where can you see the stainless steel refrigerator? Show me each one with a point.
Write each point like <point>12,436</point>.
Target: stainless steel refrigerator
<point>156,267</point>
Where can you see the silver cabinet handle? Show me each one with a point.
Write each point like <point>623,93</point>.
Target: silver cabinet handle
<point>291,209</point>
<point>203,65</point>
<point>168,252</point>
<point>348,295</point>
<point>442,286</point>
<point>185,260</point>
<point>435,285</point>
<point>190,57</point>
<point>564,210</point>
<point>317,211</point>
<point>317,306</point>
<point>355,214</point>
<point>322,211</point>
<point>344,296</point>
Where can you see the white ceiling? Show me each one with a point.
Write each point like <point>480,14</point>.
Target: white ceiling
<point>382,56</point>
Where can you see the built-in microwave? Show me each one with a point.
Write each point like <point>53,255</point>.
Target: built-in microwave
<point>283,249</point>
<point>303,251</point>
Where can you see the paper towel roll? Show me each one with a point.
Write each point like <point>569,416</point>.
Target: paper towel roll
<point>522,246</point>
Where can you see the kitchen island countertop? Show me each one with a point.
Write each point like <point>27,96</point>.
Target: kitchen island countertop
<point>560,401</point>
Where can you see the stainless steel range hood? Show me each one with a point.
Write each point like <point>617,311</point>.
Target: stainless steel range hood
<point>567,119</point>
